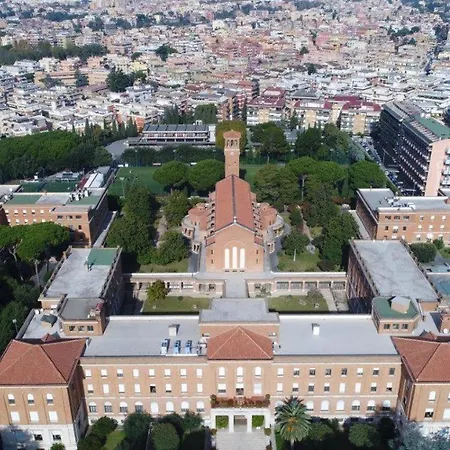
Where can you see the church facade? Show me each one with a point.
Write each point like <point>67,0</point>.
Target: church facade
<point>233,229</point>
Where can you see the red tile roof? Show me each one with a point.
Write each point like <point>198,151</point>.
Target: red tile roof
<point>233,203</point>
<point>427,360</point>
<point>30,363</point>
<point>238,344</point>
<point>231,134</point>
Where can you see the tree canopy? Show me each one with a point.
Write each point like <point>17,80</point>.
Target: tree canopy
<point>164,437</point>
<point>176,207</point>
<point>425,252</point>
<point>205,174</point>
<point>228,125</point>
<point>173,174</point>
<point>206,113</point>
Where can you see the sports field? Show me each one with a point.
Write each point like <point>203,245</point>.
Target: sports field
<point>128,176</point>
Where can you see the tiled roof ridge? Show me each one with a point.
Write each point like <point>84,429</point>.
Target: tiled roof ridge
<point>41,347</point>
<point>247,332</point>
<point>437,347</point>
<point>19,358</point>
<point>231,334</point>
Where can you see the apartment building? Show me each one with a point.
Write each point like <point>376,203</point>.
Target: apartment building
<point>82,211</point>
<point>42,394</point>
<point>268,107</point>
<point>359,117</point>
<point>384,215</point>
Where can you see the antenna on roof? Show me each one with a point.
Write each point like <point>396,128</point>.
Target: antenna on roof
<point>234,219</point>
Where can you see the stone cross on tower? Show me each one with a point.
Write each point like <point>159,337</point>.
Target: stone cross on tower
<point>231,151</point>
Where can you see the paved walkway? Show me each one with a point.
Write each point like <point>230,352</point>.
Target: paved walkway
<point>241,440</point>
<point>328,296</point>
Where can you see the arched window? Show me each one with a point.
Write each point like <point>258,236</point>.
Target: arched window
<point>371,405</point>
<point>239,372</point>
<point>92,407</point>
<point>30,398</point>
<point>169,407</point>
<point>227,258</point>
<point>258,371</point>
<point>325,405</point>
<point>123,408</point>
<point>356,405</point>
<point>154,408</point>
<point>340,405</point>
<point>108,407</point>
<point>139,407</point>
<point>242,258</point>
<point>234,258</point>
<point>221,372</point>
<point>49,398</point>
<point>310,406</point>
<point>184,406</point>
<point>200,407</point>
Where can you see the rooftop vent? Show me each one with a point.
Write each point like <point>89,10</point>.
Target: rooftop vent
<point>173,330</point>
<point>315,329</point>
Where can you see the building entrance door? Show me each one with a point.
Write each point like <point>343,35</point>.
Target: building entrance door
<point>240,423</point>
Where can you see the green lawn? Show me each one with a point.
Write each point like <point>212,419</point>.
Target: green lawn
<point>445,252</point>
<point>114,439</point>
<point>315,231</point>
<point>250,172</point>
<point>176,305</point>
<point>175,267</point>
<point>139,175</point>
<point>298,303</point>
<point>304,262</point>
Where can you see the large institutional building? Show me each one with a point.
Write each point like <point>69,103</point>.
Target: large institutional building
<point>79,357</point>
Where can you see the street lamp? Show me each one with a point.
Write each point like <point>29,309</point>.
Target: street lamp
<point>14,321</point>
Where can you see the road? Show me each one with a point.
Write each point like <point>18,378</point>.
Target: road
<point>117,148</point>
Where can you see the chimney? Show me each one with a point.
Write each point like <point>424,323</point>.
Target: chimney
<point>445,323</point>
<point>315,329</point>
<point>173,330</point>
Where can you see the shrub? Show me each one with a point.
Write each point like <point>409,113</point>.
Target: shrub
<point>58,446</point>
<point>192,421</point>
<point>363,435</point>
<point>213,431</point>
<point>91,442</point>
<point>257,421</point>
<point>157,291</point>
<point>222,422</point>
<point>267,431</point>
<point>424,252</point>
<point>165,437</point>
<point>326,265</point>
<point>439,244</point>
<point>104,426</point>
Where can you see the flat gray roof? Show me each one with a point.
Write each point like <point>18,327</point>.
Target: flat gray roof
<point>238,311</point>
<point>74,278</point>
<point>339,335</point>
<point>78,308</point>
<point>393,271</point>
<point>142,336</point>
<point>377,199</point>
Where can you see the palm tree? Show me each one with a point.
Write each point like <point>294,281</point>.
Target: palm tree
<point>292,421</point>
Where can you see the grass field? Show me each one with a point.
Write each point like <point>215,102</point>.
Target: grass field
<point>114,439</point>
<point>250,172</point>
<point>304,262</point>
<point>176,305</point>
<point>139,175</point>
<point>298,303</point>
<point>175,267</point>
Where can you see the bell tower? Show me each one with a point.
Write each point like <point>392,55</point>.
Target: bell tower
<point>232,139</point>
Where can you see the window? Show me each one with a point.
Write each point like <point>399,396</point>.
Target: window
<point>357,388</point>
<point>258,372</point>
<point>395,326</point>
<point>373,387</point>
<point>328,372</point>
<point>34,416</point>
<point>343,372</point>
<point>183,388</point>
<point>154,408</point>
<point>221,388</point>
<point>183,373</point>
<point>239,372</point>
<point>15,416</point>
<point>49,398</point>
<point>103,372</point>
<point>135,373</point>
<point>152,389</point>
<point>30,399</point>
<point>92,407</point>
<point>371,405</point>
<point>151,373</point>
<point>296,372</point>
<point>340,405</point>
<point>311,387</point>
<point>199,373</point>
<point>139,407</point>
<point>356,405</point>
<point>137,388</point>
<point>326,387</point>
<point>280,372</point>
<point>38,437</point>
<point>432,396</point>
<point>90,328</point>
<point>87,373</point>
<point>387,326</point>
<point>446,415</point>
<point>199,388</point>
<point>200,407</point>
<point>169,407</point>
<point>121,389</point>
<point>405,326</point>
<point>342,388</point>
<point>376,372</point>
<point>90,388</point>
<point>53,416</point>
<point>279,387</point>
<point>392,371</point>
<point>106,388</point>
<point>119,373</point>
<point>123,408</point>
<point>310,406</point>
<point>168,388</point>
<point>56,436</point>
<point>108,407</point>
<point>325,405</point>
<point>386,406</point>
<point>312,372</point>
<point>11,399</point>
<point>389,387</point>
<point>167,373</point>
<point>295,388</point>
<point>81,328</point>
<point>184,406</point>
<point>359,371</point>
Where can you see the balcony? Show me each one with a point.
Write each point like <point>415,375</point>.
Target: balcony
<point>240,402</point>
